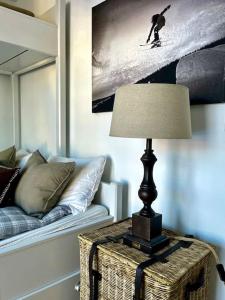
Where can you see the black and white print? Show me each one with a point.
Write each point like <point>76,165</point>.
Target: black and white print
<point>139,41</point>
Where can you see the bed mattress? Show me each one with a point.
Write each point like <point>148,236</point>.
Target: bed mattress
<point>70,221</point>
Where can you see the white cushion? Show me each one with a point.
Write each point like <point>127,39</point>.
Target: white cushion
<point>80,192</point>
<point>22,157</point>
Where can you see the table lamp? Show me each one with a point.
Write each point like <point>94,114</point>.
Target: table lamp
<point>150,111</point>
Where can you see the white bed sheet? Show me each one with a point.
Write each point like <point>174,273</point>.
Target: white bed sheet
<point>93,212</point>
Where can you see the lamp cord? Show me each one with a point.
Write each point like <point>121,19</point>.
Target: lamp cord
<point>219,266</point>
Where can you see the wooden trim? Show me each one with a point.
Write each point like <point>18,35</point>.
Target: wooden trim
<point>110,196</point>
<point>50,287</point>
<point>61,79</point>
<point>16,111</point>
<point>5,73</point>
<point>35,66</point>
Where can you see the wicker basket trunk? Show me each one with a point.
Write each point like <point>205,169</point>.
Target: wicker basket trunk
<point>117,265</point>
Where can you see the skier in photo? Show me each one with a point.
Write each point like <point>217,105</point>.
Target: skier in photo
<point>158,22</point>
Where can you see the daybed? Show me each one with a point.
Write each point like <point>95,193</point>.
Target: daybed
<point>39,249</point>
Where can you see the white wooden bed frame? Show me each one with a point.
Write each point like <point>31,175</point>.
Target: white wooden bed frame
<point>48,267</point>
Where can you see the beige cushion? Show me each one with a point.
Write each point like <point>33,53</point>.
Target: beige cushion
<point>42,184</point>
<point>35,159</point>
<point>8,157</point>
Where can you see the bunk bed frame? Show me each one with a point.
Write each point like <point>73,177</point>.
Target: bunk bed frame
<point>28,43</point>
<point>45,267</point>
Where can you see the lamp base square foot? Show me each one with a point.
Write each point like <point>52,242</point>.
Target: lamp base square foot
<point>146,228</point>
<point>149,247</point>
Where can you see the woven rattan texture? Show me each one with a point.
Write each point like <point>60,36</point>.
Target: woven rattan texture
<point>162,281</point>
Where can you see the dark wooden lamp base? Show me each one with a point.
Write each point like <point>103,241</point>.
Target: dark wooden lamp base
<point>146,231</point>
<point>145,234</point>
<point>149,247</point>
<point>145,227</point>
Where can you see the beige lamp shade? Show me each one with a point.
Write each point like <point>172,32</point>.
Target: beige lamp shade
<point>157,111</point>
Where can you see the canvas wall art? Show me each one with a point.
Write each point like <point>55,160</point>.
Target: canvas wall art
<point>149,41</point>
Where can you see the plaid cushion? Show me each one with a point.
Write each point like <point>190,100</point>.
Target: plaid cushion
<point>55,214</point>
<point>14,220</point>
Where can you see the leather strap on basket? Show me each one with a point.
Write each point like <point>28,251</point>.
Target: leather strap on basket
<point>94,275</point>
<point>193,287</point>
<point>154,258</point>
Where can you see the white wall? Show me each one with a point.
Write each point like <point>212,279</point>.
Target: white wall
<point>6,112</point>
<point>38,110</point>
<point>190,175</point>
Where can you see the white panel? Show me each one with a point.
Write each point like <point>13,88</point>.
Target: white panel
<point>110,196</point>
<point>8,51</point>
<point>38,110</point>
<point>44,265</point>
<point>14,58</point>
<point>62,289</point>
<point>6,112</point>
<point>28,32</point>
